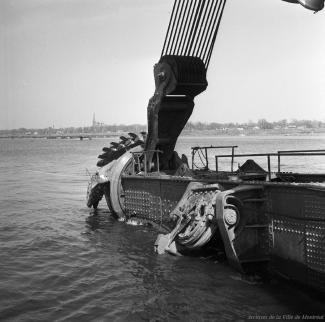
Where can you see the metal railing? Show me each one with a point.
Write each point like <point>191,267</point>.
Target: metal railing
<point>139,161</point>
<point>202,152</point>
<point>278,154</point>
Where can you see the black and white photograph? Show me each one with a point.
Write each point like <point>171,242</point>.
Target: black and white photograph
<point>162,160</point>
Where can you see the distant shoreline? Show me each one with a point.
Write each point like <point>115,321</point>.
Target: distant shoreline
<point>271,132</point>
<point>185,133</point>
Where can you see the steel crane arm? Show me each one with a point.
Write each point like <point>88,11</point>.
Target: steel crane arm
<point>180,74</point>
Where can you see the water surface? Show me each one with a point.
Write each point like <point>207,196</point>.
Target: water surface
<point>61,261</point>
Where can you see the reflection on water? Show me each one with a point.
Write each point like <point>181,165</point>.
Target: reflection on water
<point>60,261</point>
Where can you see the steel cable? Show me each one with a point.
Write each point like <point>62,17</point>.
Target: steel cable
<point>193,28</point>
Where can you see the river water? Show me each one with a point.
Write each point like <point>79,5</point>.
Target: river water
<point>61,261</point>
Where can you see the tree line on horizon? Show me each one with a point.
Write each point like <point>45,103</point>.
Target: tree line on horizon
<point>262,124</point>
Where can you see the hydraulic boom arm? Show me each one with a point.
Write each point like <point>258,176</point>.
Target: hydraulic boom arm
<point>180,74</point>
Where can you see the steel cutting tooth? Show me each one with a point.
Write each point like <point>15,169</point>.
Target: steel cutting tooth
<point>123,138</point>
<point>101,163</point>
<point>106,149</point>
<point>106,155</point>
<point>133,136</point>
<point>115,144</point>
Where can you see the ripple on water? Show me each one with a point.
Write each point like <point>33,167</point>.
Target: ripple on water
<point>62,262</point>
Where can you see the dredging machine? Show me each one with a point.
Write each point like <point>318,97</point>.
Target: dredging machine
<point>258,217</point>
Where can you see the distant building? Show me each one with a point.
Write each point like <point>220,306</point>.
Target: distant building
<point>96,124</point>
<point>94,121</point>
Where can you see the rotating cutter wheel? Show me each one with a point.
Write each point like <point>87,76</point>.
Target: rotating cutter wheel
<point>115,199</point>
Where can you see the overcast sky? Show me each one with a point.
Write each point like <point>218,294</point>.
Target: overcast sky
<point>63,60</point>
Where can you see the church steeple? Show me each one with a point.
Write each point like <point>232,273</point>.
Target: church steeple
<point>94,120</point>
